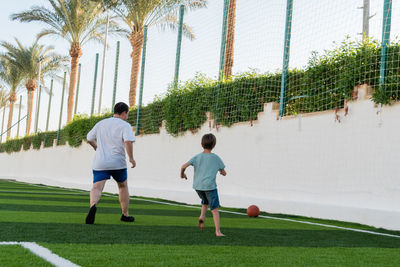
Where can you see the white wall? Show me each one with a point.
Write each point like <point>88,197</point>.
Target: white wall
<point>311,166</point>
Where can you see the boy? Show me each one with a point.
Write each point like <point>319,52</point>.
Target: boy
<point>206,166</point>
<point>110,138</point>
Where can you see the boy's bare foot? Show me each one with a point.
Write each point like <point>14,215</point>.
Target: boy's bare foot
<point>219,234</point>
<point>201,224</point>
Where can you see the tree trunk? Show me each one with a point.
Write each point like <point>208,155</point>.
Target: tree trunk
<point>230,39</point>
<point>31,87</point>
<point>75,52</point>
<point>136,40</point>
<point>13,98</point>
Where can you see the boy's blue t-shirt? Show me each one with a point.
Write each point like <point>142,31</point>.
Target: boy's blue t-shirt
<point>206,167</point>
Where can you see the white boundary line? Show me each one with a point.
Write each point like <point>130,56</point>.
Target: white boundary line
<point>43,253</point>
<point>224,211</point>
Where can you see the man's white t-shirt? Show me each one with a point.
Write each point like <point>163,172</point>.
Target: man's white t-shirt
<point>110,135</point>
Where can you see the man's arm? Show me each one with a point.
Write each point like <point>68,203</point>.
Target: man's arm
<point>93,144</point>
<point>183,168</point>
<point>129,151</point>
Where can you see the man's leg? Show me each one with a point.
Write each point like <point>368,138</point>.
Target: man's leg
<point>124,200</point>
<point>95,195</point>
<point>96,191</point>
<point>124,197</point>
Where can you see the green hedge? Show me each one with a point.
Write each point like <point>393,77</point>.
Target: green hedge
<point>325,83</point>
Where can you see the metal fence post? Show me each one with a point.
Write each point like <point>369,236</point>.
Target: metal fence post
<point>387,20</point>
<point>115,77</point>
<point>38,95</point>
<point>2,124</point>
<point>222,55</point>
<point>94,83</point>
<point>286,52</point>
<point>27,113</point>
<point>77,88</point>
<point>19,113</point>
<point>141,79</point>
<point>103,64</point>
<point>38,108</point>
<point>61,109</point>
<point>223,41</point>
<point>179,45</point>
<point>48,109</point>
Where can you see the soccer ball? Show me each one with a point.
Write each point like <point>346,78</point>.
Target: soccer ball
<point>253,211</point>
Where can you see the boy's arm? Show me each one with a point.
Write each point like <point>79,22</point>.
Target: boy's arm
<point>222,172</point>
<point>183,168</point>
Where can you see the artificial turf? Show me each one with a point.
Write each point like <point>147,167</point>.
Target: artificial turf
<point>167,235</point>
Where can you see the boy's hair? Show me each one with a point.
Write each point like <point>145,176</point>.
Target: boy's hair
<point>208,141</point>
<point>120,107</point>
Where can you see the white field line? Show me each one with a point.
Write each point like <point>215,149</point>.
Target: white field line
<point>43,253</point>
<point>227,211</point>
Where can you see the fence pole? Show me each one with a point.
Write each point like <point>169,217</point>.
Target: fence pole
<point>19,113</point>
<point>27,116</point>
<point>61,109</point>
<point>103,64</point>
<point>38,108</point>
<point>2,124</point>
<point>141,79</point>
<point>49,106</point>
<point>222,54</point>
<point>286,51</point>
<point>387,19</point>
<point>366,18</point>
<point>223,41</point>
<point>115,77</point>
<point>38,94</point>
<point>179,45</point>
<point>77,88</point>
<point>94,83</point>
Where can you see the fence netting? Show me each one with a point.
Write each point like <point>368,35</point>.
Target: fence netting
<point>227,74</point>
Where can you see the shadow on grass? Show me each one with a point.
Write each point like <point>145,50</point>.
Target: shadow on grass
<point>179,212</point>
<point>183,235</point>
<point>38,196</point>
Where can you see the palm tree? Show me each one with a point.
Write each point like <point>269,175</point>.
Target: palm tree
<point>27,60</point>
<point>230,39</point>
<point>12,76</point>
<point>138,13</point>
<point>77,21</point>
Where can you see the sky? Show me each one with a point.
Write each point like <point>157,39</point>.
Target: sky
<point>259,37</point>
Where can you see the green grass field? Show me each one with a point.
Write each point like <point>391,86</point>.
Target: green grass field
<point>167,235</point>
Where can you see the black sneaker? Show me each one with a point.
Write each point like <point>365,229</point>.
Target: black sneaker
<point>127,218</point>
<point>91,214</point>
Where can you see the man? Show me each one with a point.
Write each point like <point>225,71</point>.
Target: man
<point>109,138</point>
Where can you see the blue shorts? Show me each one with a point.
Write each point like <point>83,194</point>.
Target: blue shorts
<point>209,198</point>
<point>119,175</point>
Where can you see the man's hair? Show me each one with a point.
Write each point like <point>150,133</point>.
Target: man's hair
<point>120,107</point>
<point>208,141</point>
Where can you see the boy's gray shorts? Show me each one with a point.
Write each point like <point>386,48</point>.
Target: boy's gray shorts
<point>209,198</point>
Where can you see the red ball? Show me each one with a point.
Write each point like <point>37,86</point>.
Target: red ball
<point>253,211</point>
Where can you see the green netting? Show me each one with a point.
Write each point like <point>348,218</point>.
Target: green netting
<point>330,55</point>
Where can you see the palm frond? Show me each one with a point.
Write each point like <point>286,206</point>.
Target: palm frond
<point>73,20</point>
<point>161,13</point>
<point>22,63</point>
<point>172,23</point>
